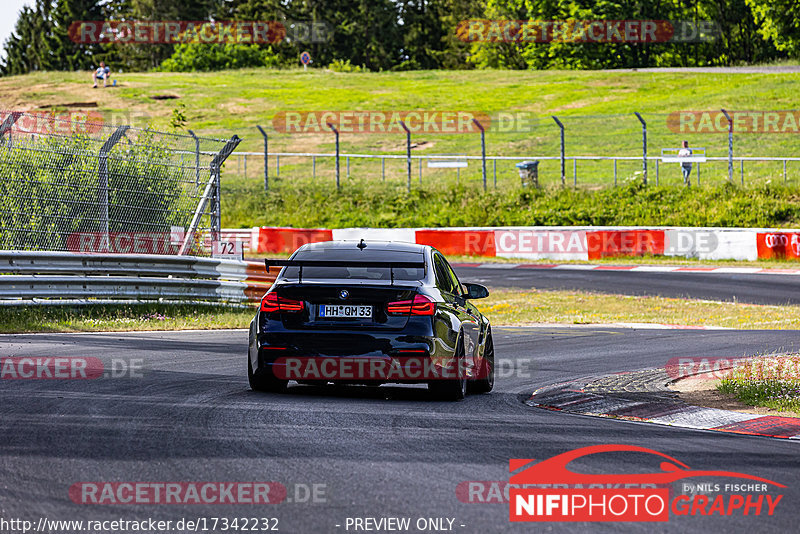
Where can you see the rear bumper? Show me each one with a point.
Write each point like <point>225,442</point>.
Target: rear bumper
<point>354,356</point>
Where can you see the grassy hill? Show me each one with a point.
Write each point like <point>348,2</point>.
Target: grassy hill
<point>596,107</point>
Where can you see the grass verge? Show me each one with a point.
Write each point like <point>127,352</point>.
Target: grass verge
<point>771,382</point>
<point>504,307</point>
<point>121,318</point>
<point>515,307</point>
<point>308,205</point>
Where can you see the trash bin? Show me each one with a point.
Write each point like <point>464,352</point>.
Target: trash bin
<point>529,173</point>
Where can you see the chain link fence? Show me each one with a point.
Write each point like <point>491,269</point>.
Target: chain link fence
<point>93,187</point>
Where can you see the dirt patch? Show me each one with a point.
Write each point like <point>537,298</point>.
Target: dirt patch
<point>703,392</point>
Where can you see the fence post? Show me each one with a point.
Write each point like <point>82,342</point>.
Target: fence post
<point>213,182</point>
<point>7,124</point>
<point>483,149</point>
<point>615,172</point>
<point>383,169</point>
<point>266,158</point>
<point>784,171</point>
<point>336,133</point>
<point>575,172</point>
<point>196,160</point>
<point>494,171</point>
<point>644,145</point>
<point>741,162</point>
<point>408,153</point>
<point>314,167</point>
<point>277,166</point>
<point>103,179</point>
<point>420,171</point>
<point>563,172</point>
<point>730,145</point>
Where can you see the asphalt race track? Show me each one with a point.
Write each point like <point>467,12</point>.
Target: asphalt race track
<point>751,288</point>
<point>188,415</point>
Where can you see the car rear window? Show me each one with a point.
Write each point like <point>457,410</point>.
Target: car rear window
<point>356,272</point>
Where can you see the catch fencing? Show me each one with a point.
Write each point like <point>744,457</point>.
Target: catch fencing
<point>69,185</point>
<point>573,150</point>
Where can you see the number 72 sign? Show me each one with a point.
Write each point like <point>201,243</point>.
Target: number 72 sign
<point>231,250</point>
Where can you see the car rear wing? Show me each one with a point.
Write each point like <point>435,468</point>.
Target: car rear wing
<point>391,265</point>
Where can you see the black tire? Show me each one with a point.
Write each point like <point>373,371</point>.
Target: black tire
<point>455,389</point>
<point>486,383</point>
<point>264,380</point>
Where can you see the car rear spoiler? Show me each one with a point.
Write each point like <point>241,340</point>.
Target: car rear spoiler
<point>391,265</point>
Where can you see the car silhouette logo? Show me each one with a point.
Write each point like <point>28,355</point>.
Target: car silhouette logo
<point>343,294</point>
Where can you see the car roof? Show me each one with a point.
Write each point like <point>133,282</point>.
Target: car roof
<point>372,246</point>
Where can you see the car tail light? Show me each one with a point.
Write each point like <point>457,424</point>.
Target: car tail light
<point>421,305</point>
<point>274,303</point>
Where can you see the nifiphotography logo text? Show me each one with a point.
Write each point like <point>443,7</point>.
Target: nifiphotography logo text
<point>550,491</point>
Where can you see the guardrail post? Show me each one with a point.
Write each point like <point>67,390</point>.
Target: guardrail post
<point>266,158</point>
<point>383,169</point>
<point>103,182</point>
<point>420,170</point>
<point>657,171</point>
<point>277,166</point>
<point>336,133</point>
<point>196,160</point>
<point>483,150</point>
<point>730,145</point>
<point>784,171</point>
<point>314,167</point>
<point>494,171</point>
<point>563,172</point>
<point>615,172</point>
<point>644,146</point>
<point>408,153</point>
<point>347,159</point>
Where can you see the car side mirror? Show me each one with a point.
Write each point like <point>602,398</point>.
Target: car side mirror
<point>476,291</point>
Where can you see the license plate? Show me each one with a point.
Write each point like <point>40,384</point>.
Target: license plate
<point>347,311</point>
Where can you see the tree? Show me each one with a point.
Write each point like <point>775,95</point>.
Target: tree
<point>779,22</point>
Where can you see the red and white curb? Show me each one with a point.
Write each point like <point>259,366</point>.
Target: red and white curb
<point>650,407</point>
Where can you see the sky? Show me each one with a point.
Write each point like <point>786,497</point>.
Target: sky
<point>8,17</point>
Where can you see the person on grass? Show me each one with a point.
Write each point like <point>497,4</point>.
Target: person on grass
<point>101,73</point>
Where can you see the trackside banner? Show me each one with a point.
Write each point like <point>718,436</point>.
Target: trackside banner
<point>558,243</point>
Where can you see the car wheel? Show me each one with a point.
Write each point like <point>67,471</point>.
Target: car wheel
<point>264,380</point>
<point>485,383</point>
<point>453,389</point>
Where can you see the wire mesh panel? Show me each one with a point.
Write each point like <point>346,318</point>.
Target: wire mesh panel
<point>91,187</point>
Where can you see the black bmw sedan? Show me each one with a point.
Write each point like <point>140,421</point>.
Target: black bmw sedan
<point>348,312</point>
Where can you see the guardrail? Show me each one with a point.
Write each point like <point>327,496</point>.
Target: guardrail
<point>34,277</point>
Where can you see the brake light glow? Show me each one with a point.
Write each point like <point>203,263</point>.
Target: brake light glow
<point>421,305</point>
<point>273,303</point>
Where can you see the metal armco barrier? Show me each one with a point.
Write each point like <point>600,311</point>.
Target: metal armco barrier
<point>34,276</point>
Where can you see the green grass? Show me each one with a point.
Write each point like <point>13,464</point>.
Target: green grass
<point>772,382</point>
<point>516,307</point>
<point>503,307</point>
<point>121,318</point>
<point>359,205</point>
